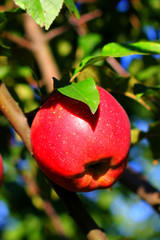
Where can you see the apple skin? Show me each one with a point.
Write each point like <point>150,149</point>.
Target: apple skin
<point>76,149</point>
<point>1,170</point>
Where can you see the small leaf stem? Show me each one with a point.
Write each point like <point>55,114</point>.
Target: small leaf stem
<point>74,76</point>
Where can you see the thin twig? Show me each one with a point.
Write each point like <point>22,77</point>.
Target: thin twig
<point>141,101</point>
<point>34,192</point>
<point>117,67</point>
<point>22,42</point>
<point>80,24</point>
<point>50,211</point>
<point>86,17</point>
<point>55,32</point>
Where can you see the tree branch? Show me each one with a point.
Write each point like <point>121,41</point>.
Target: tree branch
<point>139,185</point>
<point>42,52</point>
<point>79,213</point>
<point>16,39</point>
<point>85,17</point>
<point>56,32</point>
<point>80,24</point>
<point>117,67</point>
<point>15,116</point>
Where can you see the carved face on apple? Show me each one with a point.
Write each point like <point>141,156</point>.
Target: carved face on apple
<point>1,170</point>
<point>78,150</point>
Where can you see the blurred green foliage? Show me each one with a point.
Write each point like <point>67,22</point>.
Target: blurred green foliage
<point>119,212</point>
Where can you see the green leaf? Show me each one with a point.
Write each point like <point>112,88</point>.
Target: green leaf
<point>42,11</point>
<point>87,62</point>
<point>89,43</point>
<point>72,7</point>
<point>4,16</point>
<point>143,75</point>
<point>84,91</point>
<point>121,50</point>
<point>5,51</point>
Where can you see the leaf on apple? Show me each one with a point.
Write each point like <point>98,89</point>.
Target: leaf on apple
<point>84,91</point>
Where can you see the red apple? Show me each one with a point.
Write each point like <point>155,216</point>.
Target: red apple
<point>79,150</point>
<point>1,170</point>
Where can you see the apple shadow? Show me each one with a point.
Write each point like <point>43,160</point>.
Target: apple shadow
<point>73,106</point>
<point>99,168</point>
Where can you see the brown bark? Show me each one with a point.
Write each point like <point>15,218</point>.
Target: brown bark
<point>42,52</point>
<point>15,116</point>
<point>138,184</point>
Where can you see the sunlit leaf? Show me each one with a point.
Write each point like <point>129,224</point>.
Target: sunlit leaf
<point>84,91</point>
<point>87,62</point>
<point>43,12</point>
<point>72,7</point>
<point>121,50</point>
<point>89,43</point>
